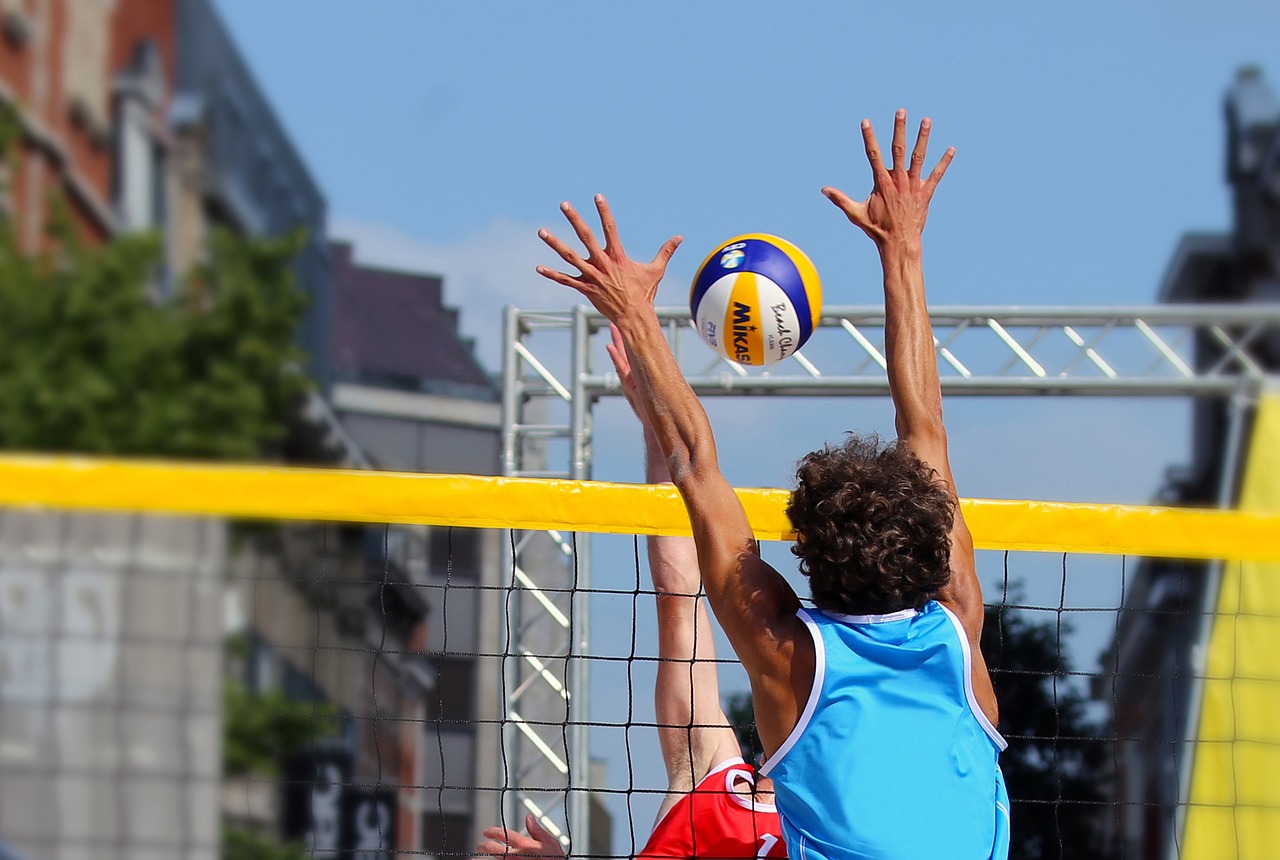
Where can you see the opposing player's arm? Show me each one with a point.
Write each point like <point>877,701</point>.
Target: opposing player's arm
<point>894,217</point>
<point>754,604</point>
<point>693,731</point>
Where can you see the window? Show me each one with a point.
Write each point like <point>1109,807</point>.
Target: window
<point>452,703</point>
<point>139,173</point>
<point>455,552</point>
<point>84,74</point>
<point>16,21</point>
<point>447,834</point>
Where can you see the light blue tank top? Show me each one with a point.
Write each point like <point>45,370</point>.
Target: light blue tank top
<point>892,758</point>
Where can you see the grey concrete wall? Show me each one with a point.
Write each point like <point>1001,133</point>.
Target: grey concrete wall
<point>110,686</point>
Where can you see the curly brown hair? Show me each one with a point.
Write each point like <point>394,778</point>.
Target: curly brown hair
<point>873,525</point>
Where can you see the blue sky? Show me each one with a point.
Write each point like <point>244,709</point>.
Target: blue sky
<point>1089,138</point>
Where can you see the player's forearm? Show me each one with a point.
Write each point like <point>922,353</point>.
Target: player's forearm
<point>912,359</point>
<point>917,399</point>
<point>741,600</point>
<point>673,561</point>
<point>676,419</point>
<point>655,462</point>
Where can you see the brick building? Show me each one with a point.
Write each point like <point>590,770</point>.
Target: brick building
<point>66,66</point>
<point>141,115</point>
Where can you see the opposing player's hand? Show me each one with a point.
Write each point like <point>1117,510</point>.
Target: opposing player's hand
<point>614,283</point>
<point>504,842</point>
<point>630,389</point>
<point>898,205</point>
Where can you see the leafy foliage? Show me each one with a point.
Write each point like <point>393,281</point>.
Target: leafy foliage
<point>261,729</point>
<point>243,843</point>
<point>91,362</point>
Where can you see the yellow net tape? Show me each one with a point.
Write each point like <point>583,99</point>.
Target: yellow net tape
<point>262,492</point>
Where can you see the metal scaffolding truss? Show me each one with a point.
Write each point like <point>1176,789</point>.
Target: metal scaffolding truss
<point>555,368</point>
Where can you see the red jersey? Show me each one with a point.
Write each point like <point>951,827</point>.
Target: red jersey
<point>715,822</point>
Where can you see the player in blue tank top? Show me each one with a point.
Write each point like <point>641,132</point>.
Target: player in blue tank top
<point>875,708</point>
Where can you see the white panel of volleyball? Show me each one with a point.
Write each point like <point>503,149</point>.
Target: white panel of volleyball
<point>555,368</point>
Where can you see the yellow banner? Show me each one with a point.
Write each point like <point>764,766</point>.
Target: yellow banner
<point>1235,790</point>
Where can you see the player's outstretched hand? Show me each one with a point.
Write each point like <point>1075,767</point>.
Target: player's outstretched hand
<point>504,842</point>
<point>613,283</point>
<point>898,205</point>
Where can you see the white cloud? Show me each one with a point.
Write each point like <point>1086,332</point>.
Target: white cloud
<point>483,272</point>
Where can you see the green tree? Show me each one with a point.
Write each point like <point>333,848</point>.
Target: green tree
<point>260,730</point>
<point>241,843</point>
<point>91,361</point>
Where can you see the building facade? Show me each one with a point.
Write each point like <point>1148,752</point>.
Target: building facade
<point>232,149</point>
<point>410,392</point>
<point>1162,634</point>
<point>141,116</point>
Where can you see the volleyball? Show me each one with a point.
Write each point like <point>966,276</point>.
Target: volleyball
<point>756,299</point>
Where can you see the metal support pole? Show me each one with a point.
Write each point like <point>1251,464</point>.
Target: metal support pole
<point>578,668</point>
<point>512,394</point>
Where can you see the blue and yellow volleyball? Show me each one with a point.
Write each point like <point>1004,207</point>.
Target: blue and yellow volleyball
<point>756,299</point>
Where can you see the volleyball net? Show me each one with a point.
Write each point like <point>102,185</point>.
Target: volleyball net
<point>255,662</point>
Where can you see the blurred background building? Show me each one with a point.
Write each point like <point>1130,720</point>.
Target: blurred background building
<point>1163,631</point>
<point>144,117</point>
<point>127,643</point>
<point>409,390</point>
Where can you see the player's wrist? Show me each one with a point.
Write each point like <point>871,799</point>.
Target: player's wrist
<point>631,318</point>
<point>893,247</point>
<point>639,327</point>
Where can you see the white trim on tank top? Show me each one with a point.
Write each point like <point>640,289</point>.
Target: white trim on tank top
<point>729,766</point>
<point>815,693</point>
<point>968,682</point>
<point>900,615</point>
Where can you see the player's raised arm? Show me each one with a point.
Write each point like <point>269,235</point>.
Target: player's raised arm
<point>894,216</point>
<point>754,604</point>
<point>693,730</point>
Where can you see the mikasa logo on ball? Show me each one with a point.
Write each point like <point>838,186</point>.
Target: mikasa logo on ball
<point>741,326</point>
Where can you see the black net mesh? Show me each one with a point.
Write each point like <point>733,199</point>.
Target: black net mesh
<point>188,687</point>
